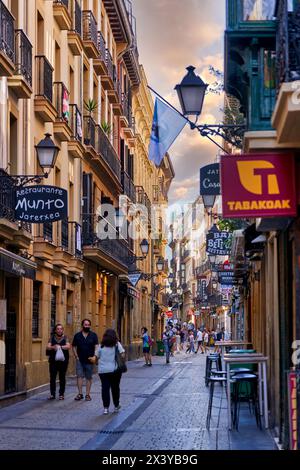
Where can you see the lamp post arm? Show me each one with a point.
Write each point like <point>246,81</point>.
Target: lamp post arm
<point>18,181</point>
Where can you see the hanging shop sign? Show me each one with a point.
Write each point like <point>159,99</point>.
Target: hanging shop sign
<point>134,278</point>
<point>218,243</point>
<point>260,185</point>
<point>40,204</point>
<point>210,180</point>
<point>229,278</point>
<point>16,265</point>
<point>292,398</point>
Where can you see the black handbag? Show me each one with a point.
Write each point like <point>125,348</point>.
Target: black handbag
<point>121,363</point>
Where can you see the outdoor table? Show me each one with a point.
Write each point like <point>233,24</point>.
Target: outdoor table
<point>256,358</point>
<point>226,344</point>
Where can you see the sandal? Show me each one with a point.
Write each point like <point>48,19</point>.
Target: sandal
<point>78,397</point>
<point>51,397</point>
<point>88,398</point>
<point>61,397</point>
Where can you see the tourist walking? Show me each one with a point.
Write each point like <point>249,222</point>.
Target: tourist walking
<point>146,346</point>
<point>58,341</point>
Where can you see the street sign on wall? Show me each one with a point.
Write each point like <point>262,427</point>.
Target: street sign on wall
<point>134,278</point>
<point>260,185</point>
<point>210,180</point>
<point>40,204</point>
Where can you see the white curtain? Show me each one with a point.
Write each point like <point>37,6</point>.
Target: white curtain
<point>3,123</point>
<point>257,10</point>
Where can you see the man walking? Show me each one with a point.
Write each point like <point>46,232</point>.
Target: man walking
<point>85,345</point>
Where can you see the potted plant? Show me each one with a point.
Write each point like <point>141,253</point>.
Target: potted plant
<point>90,106</point>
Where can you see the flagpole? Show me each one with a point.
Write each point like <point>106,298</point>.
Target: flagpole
<point>192,124</point>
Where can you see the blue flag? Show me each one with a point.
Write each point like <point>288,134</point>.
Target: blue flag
<point>167,125</point>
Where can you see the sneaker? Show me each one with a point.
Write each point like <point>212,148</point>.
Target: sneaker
<point>150,364</point>
<point>117,408</point>
<point>106,411</point>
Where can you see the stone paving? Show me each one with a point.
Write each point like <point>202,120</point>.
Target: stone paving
<point>163,408</point>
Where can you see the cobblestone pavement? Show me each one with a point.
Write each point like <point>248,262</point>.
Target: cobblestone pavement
<point>163,408</point>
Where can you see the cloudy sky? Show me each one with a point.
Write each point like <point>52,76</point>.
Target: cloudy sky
<point>173,34</point>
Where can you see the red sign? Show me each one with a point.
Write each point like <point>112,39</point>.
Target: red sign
<point>292,397</point>
<point>169,314</point>
<point>258,185</point>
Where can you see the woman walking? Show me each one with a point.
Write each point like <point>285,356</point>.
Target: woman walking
<point>58,341</point>
<point>107,368</point>
<point>146,346</point>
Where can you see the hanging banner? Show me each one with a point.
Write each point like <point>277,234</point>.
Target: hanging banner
<point>260,185</point>
<point>40,204</point>
<point>218,243</point>
<point>210,184</point>
<point>134,278</point>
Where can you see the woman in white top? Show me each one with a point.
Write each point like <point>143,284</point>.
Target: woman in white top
<point>107,368</point>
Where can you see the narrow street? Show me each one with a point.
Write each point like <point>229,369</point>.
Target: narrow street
<point>163,407</point>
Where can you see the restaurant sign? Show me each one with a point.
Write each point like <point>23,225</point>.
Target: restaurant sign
<point>40,204</point>
<point>218,243</point>
<point>227,278</point>
<point>260,185</point>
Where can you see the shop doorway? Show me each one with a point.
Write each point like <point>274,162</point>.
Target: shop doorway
<point>12,291</point>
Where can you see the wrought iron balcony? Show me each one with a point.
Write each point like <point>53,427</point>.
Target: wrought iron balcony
<point>44,81</point>
<point>76,15</point>
<point>109,64</point>
<point>101,46</point>
<point>61,101</point>
<point>63,2</point>
<point>90,34</point>
<point>23,56</point>
<point>114,248</point>
<point>7,201</point>
<point>89,131</point>
<point>76,122</point>
<point>143,199</point>
<point>128,186</point>
<point>288,42</point>
<point>107,151</point>
<point>7,33</point>
<point>127,109</point>
<point>69,237</point>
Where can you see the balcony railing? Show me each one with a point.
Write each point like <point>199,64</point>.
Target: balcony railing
<point>76,15</point>
<point>142,198</point>
<point>44,82</point>
<point>89,131</point>
<point>63,2</point>
<point>109,64</point>
<point>7,201</point>
<point>69,237</point>
<point>23,56</point>
<point>7,32</point>
<point>90,32</point>
<point>127,110</point>
<point>288,45</point>
<point>128,186</point>
<point>76,122</point>
<point>114,248</point>
<point>45,232</point>
<point>108,152</point>
<point>101,46</point>
<point>61,101</point>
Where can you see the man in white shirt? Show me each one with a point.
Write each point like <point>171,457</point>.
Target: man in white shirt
<point>199,340</point>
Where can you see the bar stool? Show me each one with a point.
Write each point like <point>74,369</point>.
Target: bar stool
<point>212,381</point>
<point>212,360</point>
<point>252,397</point>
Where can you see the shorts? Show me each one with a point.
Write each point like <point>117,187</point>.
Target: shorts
<point>146,350</point>
<point>84,370</point>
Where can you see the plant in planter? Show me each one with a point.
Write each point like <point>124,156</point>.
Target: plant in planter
<point>90,106</point>
<point>106,128</point>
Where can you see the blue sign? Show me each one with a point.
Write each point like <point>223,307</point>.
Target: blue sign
<point>210,184</point>
<point>40,204</point>
<point>134,278</point>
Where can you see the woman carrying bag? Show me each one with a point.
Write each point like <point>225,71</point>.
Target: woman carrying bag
<point>110,355</point>
<point>58,352</point>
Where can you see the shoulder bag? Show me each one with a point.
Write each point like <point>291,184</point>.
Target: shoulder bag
<point>120,360</point>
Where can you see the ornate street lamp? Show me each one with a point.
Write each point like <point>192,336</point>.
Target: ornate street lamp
<point>47,153</point>
<point>144,246</point>
<point>209,202</point>
<point>160,265</point>
<point>191,92</point>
